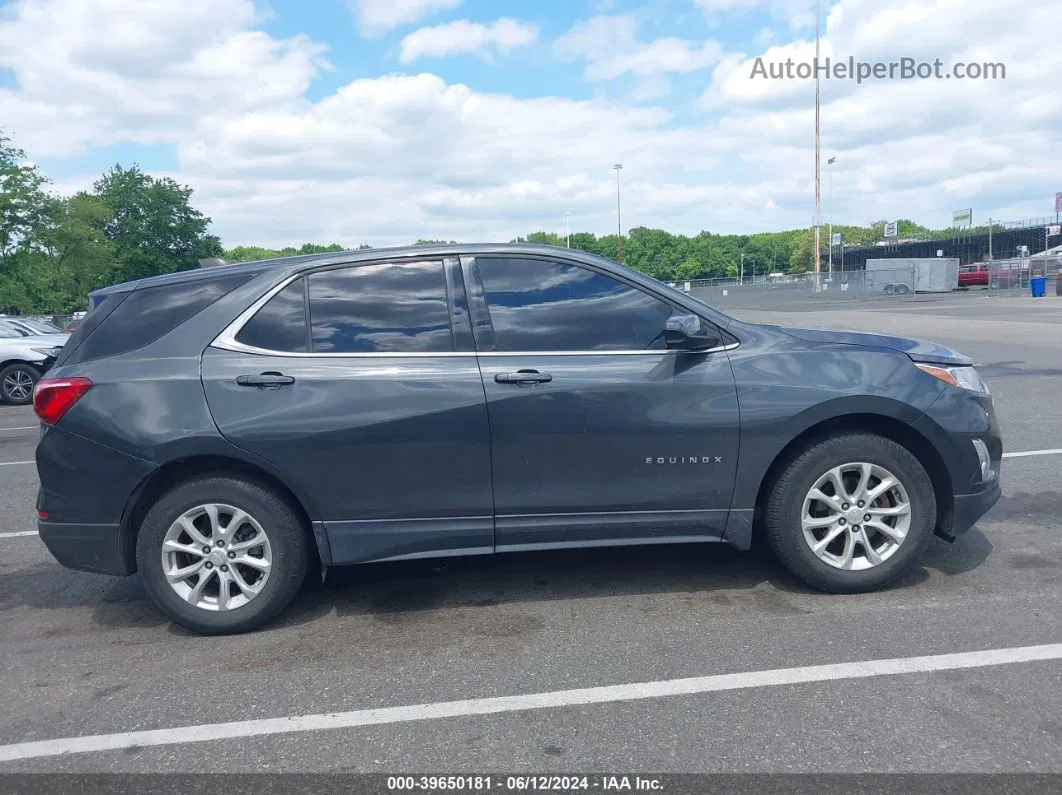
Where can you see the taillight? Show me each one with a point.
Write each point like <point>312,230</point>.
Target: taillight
<point>53,397</point>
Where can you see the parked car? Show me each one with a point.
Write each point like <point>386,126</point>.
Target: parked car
<point>23,360</point>
<point>33,325</point>
<point>973,275</point>
<point>23,330</point>
<point>71,327</point>
<point>235,427</point>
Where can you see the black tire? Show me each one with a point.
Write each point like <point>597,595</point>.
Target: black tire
<point>288,541</point>
<point>16,377</point>
<point>902,289</point>
<point>889,289</point>
<point>782,512</point>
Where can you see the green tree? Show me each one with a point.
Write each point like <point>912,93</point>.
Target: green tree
<point>25,212</point>
<point>80,258</point>
<point>154,228</point>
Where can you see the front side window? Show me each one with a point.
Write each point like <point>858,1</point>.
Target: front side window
<point>386,308</point>
<point>545,305</point>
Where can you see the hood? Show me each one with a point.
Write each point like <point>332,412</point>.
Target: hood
<point>918,350</point>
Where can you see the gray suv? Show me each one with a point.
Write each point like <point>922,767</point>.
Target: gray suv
<point>226,430</point>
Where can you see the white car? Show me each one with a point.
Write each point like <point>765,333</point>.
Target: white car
<point>23,360</point>
<point>38,329</point>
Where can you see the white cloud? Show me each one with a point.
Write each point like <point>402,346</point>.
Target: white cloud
<point>376,17</point>
<point>764,36</point>
<point>120,70</point>
<point>463,37</point>
<point>392,158</point>
<point>609,46</point>
<point>651,87</point>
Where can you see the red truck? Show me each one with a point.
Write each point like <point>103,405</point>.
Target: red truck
<point>973,275</point>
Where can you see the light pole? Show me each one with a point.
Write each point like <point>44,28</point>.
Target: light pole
<point>741,273</point>
<point>818,198</point>
<point>619,225</point>
<point>829,194</point>
<point>567,232</point>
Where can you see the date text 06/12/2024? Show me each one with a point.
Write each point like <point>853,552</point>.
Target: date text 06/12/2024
<point>522,783</point>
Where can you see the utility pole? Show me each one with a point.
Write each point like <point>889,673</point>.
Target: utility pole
<point>818,171</point>
<point>989,239</point>
<point>619,225</point>
<point>829,195</point>
<point>567,232</point>
<point>741,273</point>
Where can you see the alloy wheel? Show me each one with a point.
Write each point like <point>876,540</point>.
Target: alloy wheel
<point>856,516</point>
<point>216,557</point>
<point>18,385</point>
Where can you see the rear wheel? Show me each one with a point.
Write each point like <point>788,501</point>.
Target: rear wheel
<point>17,382</point>
<point>222,554</point>
<point>851,513</point>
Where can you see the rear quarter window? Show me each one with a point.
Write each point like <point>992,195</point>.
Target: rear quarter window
<point>139,318</point>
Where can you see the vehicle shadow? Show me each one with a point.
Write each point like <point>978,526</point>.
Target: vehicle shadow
<point>720,573</point>
<point>715,573</point>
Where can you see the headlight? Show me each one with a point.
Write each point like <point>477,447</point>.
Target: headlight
<point>46,352</point>
<point>963,377</point>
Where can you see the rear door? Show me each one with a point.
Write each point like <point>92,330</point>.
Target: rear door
<point>361,383</point>
<point>600,434</point>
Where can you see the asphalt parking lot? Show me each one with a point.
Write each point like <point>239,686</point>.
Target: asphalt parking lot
<point>84,656</point>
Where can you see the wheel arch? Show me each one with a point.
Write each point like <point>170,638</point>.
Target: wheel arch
<point>178,470</point>
<point>885,425</point>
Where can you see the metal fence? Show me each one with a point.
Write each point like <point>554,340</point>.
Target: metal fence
<point>762,291</point>
<point>1013,277</point>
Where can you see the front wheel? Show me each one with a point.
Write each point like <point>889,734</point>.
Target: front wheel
<point>222,554</point>
<point>851,513</point>
<point>17,382</point>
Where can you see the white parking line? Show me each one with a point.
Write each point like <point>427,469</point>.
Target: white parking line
<point>23,428</point>
<point>15,463</point>
<point>559,698</point>
<point>19,534</point>
<point>1027,453</point>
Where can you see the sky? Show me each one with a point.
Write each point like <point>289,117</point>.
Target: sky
<point>385,121</point>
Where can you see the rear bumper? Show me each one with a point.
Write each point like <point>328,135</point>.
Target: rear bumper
<point>86,547</point>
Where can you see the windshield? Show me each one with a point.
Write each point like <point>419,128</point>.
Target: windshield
<point>6,332</point>
<point>40,326</point>
<point>12,330</point>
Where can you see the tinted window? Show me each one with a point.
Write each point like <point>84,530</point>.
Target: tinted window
<point>280,325</point>
<point>542,305</point>
<point>393,308</point>
<point>145,315</point>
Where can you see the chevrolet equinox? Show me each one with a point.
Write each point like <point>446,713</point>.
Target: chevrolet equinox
<point>226,430</point>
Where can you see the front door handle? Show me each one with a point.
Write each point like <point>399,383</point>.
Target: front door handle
<point>523,377</point>
<point>265,380</point>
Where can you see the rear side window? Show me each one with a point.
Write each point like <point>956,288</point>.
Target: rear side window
<point>145,315</point>
<point>280,325</point>
<point>386,308</point>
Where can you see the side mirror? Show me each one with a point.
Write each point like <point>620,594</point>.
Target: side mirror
<point>688,333</point>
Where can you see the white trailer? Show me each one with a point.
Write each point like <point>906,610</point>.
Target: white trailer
<point>912,275</point>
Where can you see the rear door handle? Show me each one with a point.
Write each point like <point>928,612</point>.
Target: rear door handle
<point>265,380</point>
<point>523,377</point>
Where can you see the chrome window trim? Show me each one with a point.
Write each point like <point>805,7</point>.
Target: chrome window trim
<point>226,340</point>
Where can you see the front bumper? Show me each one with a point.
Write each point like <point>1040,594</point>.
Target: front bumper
<point>86,547</point>
<point>968,509</point>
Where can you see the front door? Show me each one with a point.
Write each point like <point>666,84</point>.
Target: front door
<point>354,382</point>
<point>599,433</point>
